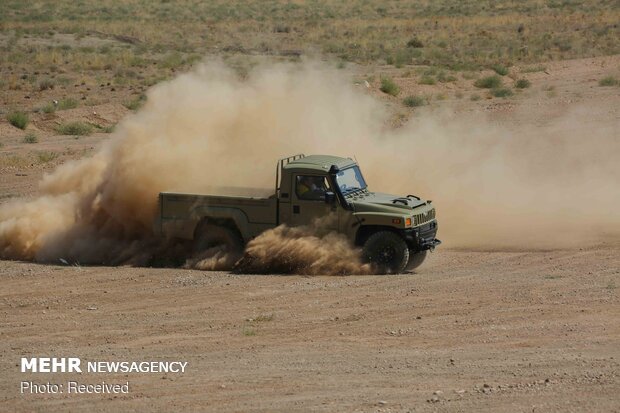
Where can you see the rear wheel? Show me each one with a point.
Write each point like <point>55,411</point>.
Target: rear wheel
<point>387,251</point>
<point>415,259</point>
<point>218,242</point>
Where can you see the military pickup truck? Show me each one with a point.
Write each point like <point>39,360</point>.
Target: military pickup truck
<point>394,232</point>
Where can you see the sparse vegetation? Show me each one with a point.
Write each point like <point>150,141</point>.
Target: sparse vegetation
<point>46,84</point>
<point>49,108</point>
<point>75,128</point>
<point>427,80</point>
<point>263,318</point>
<point>31,138</point>
<point>500,70</point>
<point>608,81</point>
<point>533,69</point>
<point>522,84</point>
<point>136,103</point>
<point>357,31</point>
<point>18,119</point>
<point>443,77</point>
<point>415,43</point>
<point>414,101</point>
<point>489,82</point>
<point>14,161</point>
<point>551,91</point>
<point>389,86</point>
<point>501,92</point>
<point>248,332</point>
<point>46,156</point>
<point>133,48</point>
<point>68,103</point>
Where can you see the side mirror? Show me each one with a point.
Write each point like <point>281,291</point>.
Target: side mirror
<point>330,197</point>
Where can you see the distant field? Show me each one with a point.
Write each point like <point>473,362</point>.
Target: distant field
<point>120,48</point>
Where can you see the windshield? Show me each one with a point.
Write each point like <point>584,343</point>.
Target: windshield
<point>350,180</point>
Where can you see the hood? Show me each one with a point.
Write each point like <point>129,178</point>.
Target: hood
<point>378,202</point>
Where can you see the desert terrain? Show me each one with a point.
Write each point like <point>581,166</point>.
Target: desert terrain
<point>521,327</point>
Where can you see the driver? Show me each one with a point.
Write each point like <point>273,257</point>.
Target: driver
<point>311,187</point>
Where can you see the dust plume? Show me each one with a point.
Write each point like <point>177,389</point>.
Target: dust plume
<point>515,185</point>
<point>309,249</point>
<point>527,182</point>
<point>208,131</point>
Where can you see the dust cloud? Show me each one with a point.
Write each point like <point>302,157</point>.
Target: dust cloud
<point>513,185</point>
<point>309,249</point>
<point>527,182</point>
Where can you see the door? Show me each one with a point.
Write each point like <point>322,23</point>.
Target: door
<point>308,202</point>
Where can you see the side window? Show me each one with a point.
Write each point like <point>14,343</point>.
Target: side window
<point>311,187</point>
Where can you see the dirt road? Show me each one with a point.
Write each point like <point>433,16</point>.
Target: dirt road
<point>483,331</point>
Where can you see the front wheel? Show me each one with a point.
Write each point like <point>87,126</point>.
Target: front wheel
<point>387,251</point>
<point>416,259</point>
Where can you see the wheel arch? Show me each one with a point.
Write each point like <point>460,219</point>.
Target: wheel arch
<point>233,218</point>
<point>365,231</point>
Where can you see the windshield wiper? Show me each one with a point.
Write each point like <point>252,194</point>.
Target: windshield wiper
<point>351,191</point>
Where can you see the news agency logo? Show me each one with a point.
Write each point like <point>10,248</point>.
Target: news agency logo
<point>51,365</point>
<point>74,365</point>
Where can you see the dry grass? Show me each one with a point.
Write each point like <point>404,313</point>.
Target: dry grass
<point>75,128</point>
<point>18,161</point>
<point>121,48</point>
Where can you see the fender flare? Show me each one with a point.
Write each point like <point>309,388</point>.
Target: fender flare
<point>236,215</point>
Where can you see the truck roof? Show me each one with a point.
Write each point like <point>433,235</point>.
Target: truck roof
<point>320,162</point>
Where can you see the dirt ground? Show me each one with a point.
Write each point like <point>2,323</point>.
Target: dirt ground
<point>472,330</point>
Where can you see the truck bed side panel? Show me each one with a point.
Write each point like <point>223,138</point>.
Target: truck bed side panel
<point>180,213</point>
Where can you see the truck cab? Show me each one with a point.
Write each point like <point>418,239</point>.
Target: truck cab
<point>318,186</point>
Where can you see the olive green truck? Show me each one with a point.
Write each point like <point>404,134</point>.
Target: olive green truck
<point>394,232</point>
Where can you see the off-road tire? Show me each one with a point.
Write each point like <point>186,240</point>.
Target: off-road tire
<point>213,235</point>
<point>387,252</point>
<point>416,258</point>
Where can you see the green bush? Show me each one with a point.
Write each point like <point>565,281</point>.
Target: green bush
<point>414,101</point>
<point>49,108</point>
<point>31,138</point>
<point>415,43</point>
<point>427,80</point>
<point>522,84</point>
<point>608,81</point>
<point>500,70</point>
<point>388,86</point>
<point>18,119</point>
<point>489,82</point>
<point>46,84</point>
<point>501,92</point>
<point>68,103</point>
<point>75,128</point>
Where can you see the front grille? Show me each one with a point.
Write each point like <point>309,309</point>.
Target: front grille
<point>427,232</point>
<point>424,217</point>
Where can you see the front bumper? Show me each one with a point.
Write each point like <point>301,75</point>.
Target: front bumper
<point>423,237</point>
